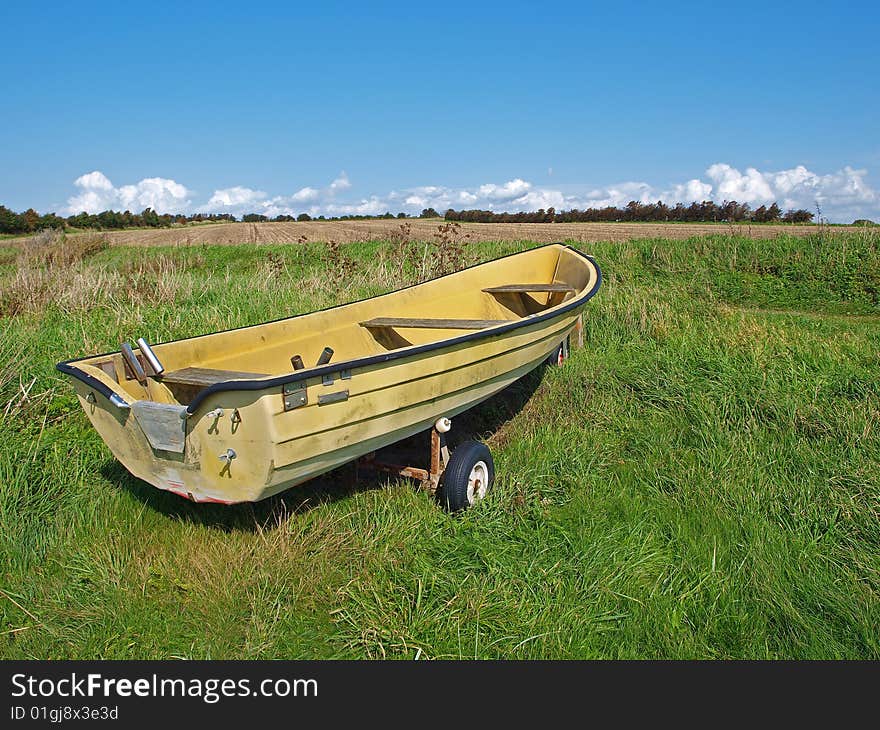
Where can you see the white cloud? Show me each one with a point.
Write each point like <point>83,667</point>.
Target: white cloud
<point>541,199</point>
<point>374,205</point>
<point>789,180</point>
<point>97,193</point>
<point>843,195</point>
<point>235,197</point>
<point>305,195</point>
<point>614,195</point>
<point>692,190</point>
<point>93,181</point>
<point>731,184</point>
<point>340,183</point>
<point>315,201</point>
<point>156,193</point>
<point>511,190</point>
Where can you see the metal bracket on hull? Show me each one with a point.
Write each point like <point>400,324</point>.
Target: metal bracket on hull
<point>329,379</point>
<point>337,397</point>
<point>163,424</point>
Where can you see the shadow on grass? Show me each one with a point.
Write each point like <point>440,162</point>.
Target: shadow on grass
<point>481,421</point>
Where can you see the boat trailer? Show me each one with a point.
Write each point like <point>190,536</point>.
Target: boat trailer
<point>430,477</point>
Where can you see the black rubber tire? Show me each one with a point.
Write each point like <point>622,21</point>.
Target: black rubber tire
<point>560,354</point>
<point>454,487</point>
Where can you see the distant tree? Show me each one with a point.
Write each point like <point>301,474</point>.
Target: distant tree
<point>10,221</point>
<point>402,215</point>
<point>31,219</point>
<point>303,217</point>
<point>429,213</point>
<point>254,218</point>
<point>150,218</point>
<point>798,216</point>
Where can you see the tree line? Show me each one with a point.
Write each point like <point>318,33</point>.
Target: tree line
<point>730,211</point>
<point>707,211</point>
<point>30,221</point>
<point>303,217</point>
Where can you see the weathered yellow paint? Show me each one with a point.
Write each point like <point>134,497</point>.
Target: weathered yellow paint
<point>387,401</point>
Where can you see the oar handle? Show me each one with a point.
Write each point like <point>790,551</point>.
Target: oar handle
<point>325,357</point>
<point>133,363</point>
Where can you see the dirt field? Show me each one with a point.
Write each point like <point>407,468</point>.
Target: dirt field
<point>347,231</point>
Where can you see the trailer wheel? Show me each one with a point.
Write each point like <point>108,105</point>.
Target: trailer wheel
<point>561,353</point>
<point>468,476</point>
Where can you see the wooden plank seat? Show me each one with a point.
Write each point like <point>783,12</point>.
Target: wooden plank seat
<point>434,324</point>
<point>525,288</point>
<point>204,377</point>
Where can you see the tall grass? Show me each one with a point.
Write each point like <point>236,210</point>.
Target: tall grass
<point>700,480</point>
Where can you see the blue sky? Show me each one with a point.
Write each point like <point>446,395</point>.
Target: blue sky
<point>337,107</point>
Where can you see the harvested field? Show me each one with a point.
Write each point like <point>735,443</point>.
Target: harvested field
<point>360,231</point>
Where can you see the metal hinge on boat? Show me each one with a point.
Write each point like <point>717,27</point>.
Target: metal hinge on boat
<point>295,396</point>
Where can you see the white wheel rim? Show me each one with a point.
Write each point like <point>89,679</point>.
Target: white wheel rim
<point>478,482</point>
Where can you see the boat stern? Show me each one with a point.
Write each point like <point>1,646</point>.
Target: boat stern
<point>217,454</point>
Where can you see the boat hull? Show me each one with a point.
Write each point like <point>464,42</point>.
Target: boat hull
<point>342,411</point>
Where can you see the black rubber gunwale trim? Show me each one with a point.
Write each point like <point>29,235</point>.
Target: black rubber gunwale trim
<point>94,383</point>
<point>280,380</point>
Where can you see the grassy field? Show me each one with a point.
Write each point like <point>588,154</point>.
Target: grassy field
<point>700,480</point>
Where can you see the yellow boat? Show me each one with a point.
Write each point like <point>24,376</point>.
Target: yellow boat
<point>239,415</point>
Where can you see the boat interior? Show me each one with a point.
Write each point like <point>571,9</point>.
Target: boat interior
<point>476,298</point>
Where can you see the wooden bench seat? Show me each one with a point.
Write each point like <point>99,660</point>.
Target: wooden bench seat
<point>434,324</point>
<point>525,288</point>
<point>204,377</point>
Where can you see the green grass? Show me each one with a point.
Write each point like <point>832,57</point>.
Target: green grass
<point>700,480</point>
